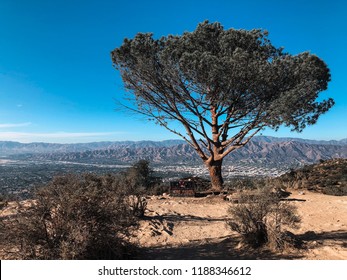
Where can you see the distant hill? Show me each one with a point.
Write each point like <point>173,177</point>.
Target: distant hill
<point>329,177</point>
<point>270,139</point>
<point>262,150</point>
<point>15,148</point>
<point>12,148</point>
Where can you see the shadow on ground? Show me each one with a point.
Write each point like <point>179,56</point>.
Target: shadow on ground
<point>316,240</point>
<point>181,218</point>
<point>224,248</point>
<point>228,247</point>
<point>337,235</point>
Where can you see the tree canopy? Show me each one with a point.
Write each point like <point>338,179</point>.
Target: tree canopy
<point>223,86</point>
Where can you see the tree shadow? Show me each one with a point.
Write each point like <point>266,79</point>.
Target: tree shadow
<point>293,199</point>
<point>223,248</point>
<point>183,218</point>
<point>338,236</point>
<point>325,235</point>
<point>228,247</point>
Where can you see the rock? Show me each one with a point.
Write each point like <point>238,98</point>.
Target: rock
<point>282,193</point>
<point>231,198</point>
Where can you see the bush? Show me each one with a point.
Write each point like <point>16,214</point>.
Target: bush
<point>3,201</point>
<point>137,204</point>
<point>337,190</point>
<point>140,175</point>
<point>75,217</point>
<point>245,183</point>
<point>159,189</point>
<point>260,216</point>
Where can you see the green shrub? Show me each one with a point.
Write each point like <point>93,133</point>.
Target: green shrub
<point>141,177</point>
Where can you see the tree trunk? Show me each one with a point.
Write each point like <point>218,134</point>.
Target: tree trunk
<point>215,169</point>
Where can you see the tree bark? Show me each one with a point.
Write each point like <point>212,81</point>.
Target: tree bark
<point>215,169</point>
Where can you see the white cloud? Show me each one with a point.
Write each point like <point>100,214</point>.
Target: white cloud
<point>11,125</point>
<point>58,137</point>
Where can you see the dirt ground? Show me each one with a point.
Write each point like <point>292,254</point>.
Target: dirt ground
<point>195,228</point>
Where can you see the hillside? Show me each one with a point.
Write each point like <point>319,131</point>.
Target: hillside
<point>290,153</point>
<point>13,148</point>
<point>17,148</point>
<point>328,177</point>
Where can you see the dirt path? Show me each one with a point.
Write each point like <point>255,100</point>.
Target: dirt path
<point>195,228</point>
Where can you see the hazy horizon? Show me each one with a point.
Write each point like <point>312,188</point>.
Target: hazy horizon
<point>169,139</point>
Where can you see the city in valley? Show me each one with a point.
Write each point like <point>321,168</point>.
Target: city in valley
<point>25,166</point>
<point>19,176</point>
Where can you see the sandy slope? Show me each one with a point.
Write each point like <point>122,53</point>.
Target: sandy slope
<point>195,228</point>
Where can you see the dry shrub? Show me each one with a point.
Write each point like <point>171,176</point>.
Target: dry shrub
<point>243,183</point>
<point>337,190</point>
<point>74,217</point>
<point>261,217</point>
<point>137,204</point>
<point>142,178</point>
<point>3,201</point>
<point>159,189</point>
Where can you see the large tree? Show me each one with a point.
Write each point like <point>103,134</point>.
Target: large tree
<point>222,86</point>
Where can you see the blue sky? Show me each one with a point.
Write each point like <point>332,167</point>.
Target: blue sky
<point>57,83</point>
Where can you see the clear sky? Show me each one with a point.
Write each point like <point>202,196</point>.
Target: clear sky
<point>57,83</point>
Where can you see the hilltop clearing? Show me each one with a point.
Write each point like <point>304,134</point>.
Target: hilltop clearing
<point>195,228</point>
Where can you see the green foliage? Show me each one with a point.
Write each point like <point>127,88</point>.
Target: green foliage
<point>74,217</point>
<point>260,216</point>
<point>222,86</point>
<point>141,175</point>
<point>141,179</point>
<point>236,69</point>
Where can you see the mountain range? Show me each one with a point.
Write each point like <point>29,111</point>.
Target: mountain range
<point>261,150</point>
